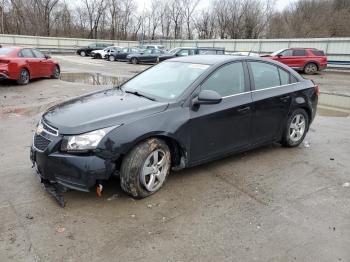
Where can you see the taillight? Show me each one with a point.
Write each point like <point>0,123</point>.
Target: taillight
<point>4,61</point>
<point>317,90</point>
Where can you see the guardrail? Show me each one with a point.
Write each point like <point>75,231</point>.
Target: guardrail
<point>337,49</point>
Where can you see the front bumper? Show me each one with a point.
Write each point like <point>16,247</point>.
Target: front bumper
<point>73,171</point>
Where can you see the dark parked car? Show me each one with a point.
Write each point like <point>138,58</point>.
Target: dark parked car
<point>86,51</point>
<point>147,56</point>
<point>186,51</point>
<point>122,54</point>
<point>307,60</point>
<point>180,113</point>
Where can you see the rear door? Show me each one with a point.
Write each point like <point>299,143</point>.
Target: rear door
<point>272,99</point>
<point>225,127</point>
<point>31,62</point>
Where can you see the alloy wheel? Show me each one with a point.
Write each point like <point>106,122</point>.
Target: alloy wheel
<point>24,76</point>
<point>310,69</point>
<point>154,170</point>
<point>297,127</point>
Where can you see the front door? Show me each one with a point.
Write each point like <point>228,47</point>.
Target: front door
<point>224,127</point>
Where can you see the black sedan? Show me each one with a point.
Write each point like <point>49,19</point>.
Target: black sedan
<point>122,54</point>
<point>86,50</point>
<point>147,56</point>
<point>180,113</point>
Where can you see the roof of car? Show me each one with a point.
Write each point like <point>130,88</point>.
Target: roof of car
<point>206,59</point>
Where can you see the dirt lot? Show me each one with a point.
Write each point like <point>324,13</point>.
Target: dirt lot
<point>270,204</point>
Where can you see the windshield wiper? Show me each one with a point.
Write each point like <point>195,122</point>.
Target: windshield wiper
<point>139,94</point>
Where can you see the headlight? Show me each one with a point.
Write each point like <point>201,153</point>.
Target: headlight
<point>85,141</point>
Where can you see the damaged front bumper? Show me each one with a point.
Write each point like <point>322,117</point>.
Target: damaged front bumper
<point>60,171</point>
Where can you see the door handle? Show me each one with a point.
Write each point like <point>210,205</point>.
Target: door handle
<point>284,98</point>
<point>244,109</point>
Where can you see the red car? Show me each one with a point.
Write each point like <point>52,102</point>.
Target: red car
<point>23,63</point>
<point>308,60</point>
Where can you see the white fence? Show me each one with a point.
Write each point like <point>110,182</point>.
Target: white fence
<point>337,49</point>
<point>57,44</point>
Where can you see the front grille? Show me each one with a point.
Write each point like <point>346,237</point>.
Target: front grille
<point>40,142</point>
<point>49,129</point>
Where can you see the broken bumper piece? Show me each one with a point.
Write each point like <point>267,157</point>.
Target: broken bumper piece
<point>59,172</point>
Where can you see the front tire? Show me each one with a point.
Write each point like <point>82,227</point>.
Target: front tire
<point>111,58</point>
<point>83,53</point>
<point>310,69</point>
<point>296,128</point>
<point>145,168</point>
<point>23,77</point>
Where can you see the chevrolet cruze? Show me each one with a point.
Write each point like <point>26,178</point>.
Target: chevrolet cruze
<point>180,113</point>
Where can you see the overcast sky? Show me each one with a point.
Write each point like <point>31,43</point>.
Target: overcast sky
<point>280,4</point>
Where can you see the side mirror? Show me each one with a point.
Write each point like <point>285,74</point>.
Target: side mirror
<point>47,56</point>
<point>279,55</point>
<point>207,97</point>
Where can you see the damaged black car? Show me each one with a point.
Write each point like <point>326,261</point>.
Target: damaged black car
<point>180,113</point>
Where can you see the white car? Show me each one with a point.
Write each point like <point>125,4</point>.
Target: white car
<point>99,54</point>
<point>245,53</point>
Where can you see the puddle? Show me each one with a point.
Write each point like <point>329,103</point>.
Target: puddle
<point>92,79</point>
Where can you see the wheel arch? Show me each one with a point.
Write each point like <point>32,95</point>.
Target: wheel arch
<point>312,62</point>
<point>26,68</point>
<point>177,150</point>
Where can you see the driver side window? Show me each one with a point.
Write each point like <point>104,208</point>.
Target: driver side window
<point>227,80</point>
<point>286,53</point>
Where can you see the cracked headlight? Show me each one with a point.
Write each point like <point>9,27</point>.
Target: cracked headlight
<point>84,142</point>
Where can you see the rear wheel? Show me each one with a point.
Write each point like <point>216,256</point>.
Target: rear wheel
<point>134,61</point>
<point>111,58</point>
<point>296,128</point>
<point>23,77</point>
<point>83,53</point>
<point>145,168</point>
<point>56,73</point>
<point>310,69</point>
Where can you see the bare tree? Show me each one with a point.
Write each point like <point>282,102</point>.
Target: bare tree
<point>94,9</point>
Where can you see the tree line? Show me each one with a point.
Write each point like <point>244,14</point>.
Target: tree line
<point>175,19</point>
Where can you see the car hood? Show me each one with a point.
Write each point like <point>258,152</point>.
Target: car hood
<point>99,110</point>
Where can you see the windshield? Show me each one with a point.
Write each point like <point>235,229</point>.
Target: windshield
<point>167,80</point>
<point>277,52</point>
<point>6,50</point>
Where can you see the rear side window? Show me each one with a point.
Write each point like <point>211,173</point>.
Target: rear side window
<point>299,53</point>
<point>227,80</point>
<point>265,75</point>
<point>285,76</point>
<point>318,53</point>
<point>26,53</point>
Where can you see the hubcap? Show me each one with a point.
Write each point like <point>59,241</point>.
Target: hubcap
<point>154,170</point>
<point>111,58</point>
<point>82,53</point>
<point>297,128</point>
